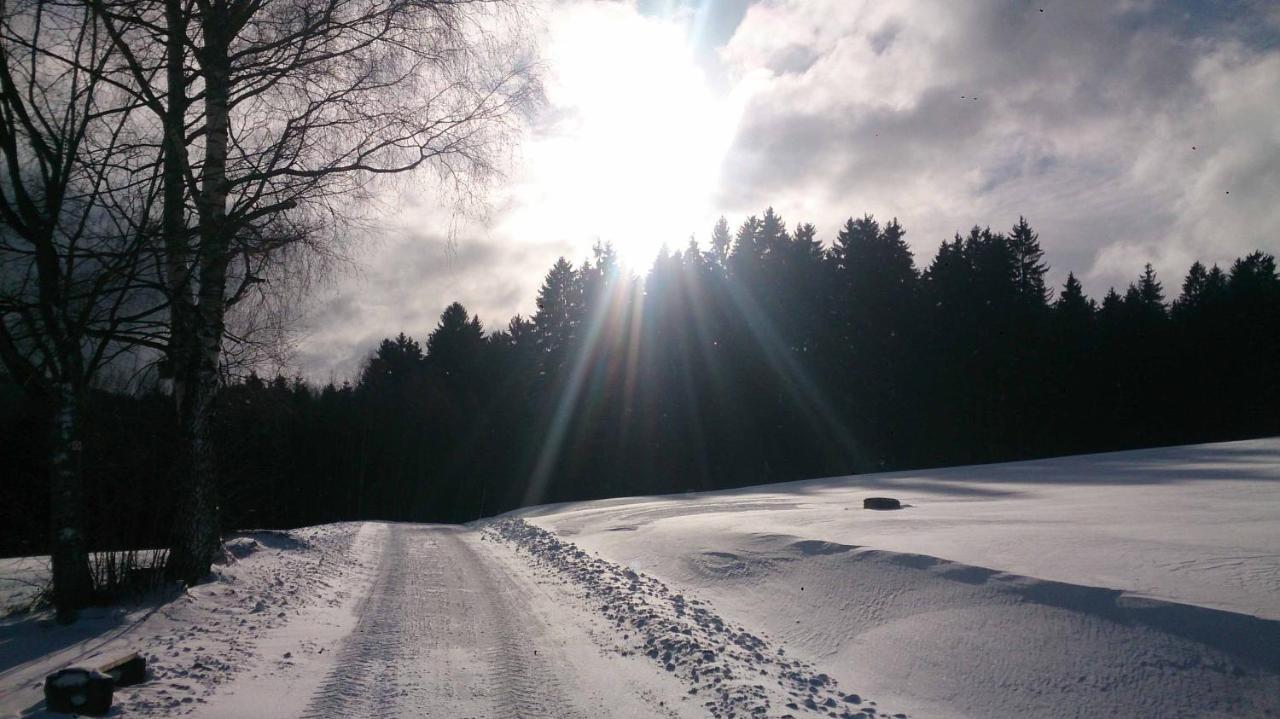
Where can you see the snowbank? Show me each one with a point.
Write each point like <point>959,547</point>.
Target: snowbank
<point>21,581</point>
<point>727,669</point>
<point>1138,583</point>
<point>201,639</point>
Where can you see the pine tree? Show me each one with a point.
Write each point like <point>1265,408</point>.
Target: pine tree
<point>1072,307</point>
<point>874,307</point>
<point>805,243</point>
<point>1254,278</point>
<point>1193,288</point>
<point>1214,295</point>
<point>1145,299</point>
<point>1150,289</point>
<point>1071,366</point>
<point>1029,268</point>
<point>394,360</point>
<point>454,346</point>
<point>895,255</point>
<point>772,238</point>
<point>747,244</point>
<point>853,245</point>
<point>721,243</point>
<point>597,274</point>
<point>1252,309</point>
<point>559,310</point>
<point>947,273</point>
<point>994,270</point>
<point>694,258</point>
<point>1111,304</point>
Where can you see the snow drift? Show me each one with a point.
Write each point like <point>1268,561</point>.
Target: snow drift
<point>1138,583</point>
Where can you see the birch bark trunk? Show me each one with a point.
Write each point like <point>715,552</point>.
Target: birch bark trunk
<point>72,582</point>
<point>198,538</point>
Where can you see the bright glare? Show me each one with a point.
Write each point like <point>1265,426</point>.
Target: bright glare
<point>633,149</point>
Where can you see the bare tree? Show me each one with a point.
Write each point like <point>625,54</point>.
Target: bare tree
<point>72,274</point>
<point>273,116</point>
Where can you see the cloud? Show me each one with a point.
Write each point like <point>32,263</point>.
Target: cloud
<point>1127,132</point>
<point>1082,117</point>
<point>414,269</point>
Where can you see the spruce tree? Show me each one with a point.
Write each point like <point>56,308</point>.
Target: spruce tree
<point>454,346</point>
<point>805,243</point>
<point>1072,301</point>
<point>1193,287</point>
<point>854,243</point>
<point>721,243</point>
<point>1028,268</point>
<point>1144,300</point>
<point>394,361</point>
<point>747,244</point>
<point>772,238</point>
<point>1151,291</point>
<point>559,310</point>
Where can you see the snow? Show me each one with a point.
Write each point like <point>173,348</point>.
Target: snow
<point>75,679</point>
<point>203,639</point>
<point>454,627</point>
<point>1136,584</point>
<point>727,669</point>
<point>21,579</point>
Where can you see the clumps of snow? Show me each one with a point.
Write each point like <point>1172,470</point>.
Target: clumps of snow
<point>239,548</point>
<point>242,604</point>
<point>71,679</point>
<point>294,540</point>
<point>195,641</point>
<point>22,582</point>
<point>733,671</point>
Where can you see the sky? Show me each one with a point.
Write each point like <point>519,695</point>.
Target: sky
<point>1126,131</point>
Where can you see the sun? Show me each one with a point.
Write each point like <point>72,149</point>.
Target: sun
<point>636,138</point>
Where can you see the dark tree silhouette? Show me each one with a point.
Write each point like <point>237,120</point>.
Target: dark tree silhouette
<point>762,357</point>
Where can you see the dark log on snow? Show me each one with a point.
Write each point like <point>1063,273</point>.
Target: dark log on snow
<point>127,670</point>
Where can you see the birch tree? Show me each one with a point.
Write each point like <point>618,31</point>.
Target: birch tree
<point>275,116</point>
<point>73,280</point>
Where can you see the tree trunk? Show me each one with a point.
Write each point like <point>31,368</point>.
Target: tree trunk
<point>198,537</point>
<point>72,582</point>
<point>177,250</point>
<point>186,547</point>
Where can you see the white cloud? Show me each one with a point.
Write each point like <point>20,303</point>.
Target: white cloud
<point>664,115</point>
<point>1084,119</point>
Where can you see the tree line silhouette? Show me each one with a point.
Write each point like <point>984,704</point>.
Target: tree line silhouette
<point>762,357</point>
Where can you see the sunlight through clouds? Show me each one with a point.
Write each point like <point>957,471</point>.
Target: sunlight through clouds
<point>662,115</point>
<point>633,149</point>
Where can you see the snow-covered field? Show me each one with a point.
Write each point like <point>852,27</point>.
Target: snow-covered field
<point>1136,584</point>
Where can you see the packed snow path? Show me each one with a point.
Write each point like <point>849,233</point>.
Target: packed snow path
<point>441,633</point>
<point>512,622</point>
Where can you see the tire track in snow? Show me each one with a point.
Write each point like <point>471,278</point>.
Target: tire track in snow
<point>440,635</point>
<point>732,671</point>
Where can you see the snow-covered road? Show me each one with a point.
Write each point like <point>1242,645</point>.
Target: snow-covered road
<point>506,620</point>
<point>446,631</point>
